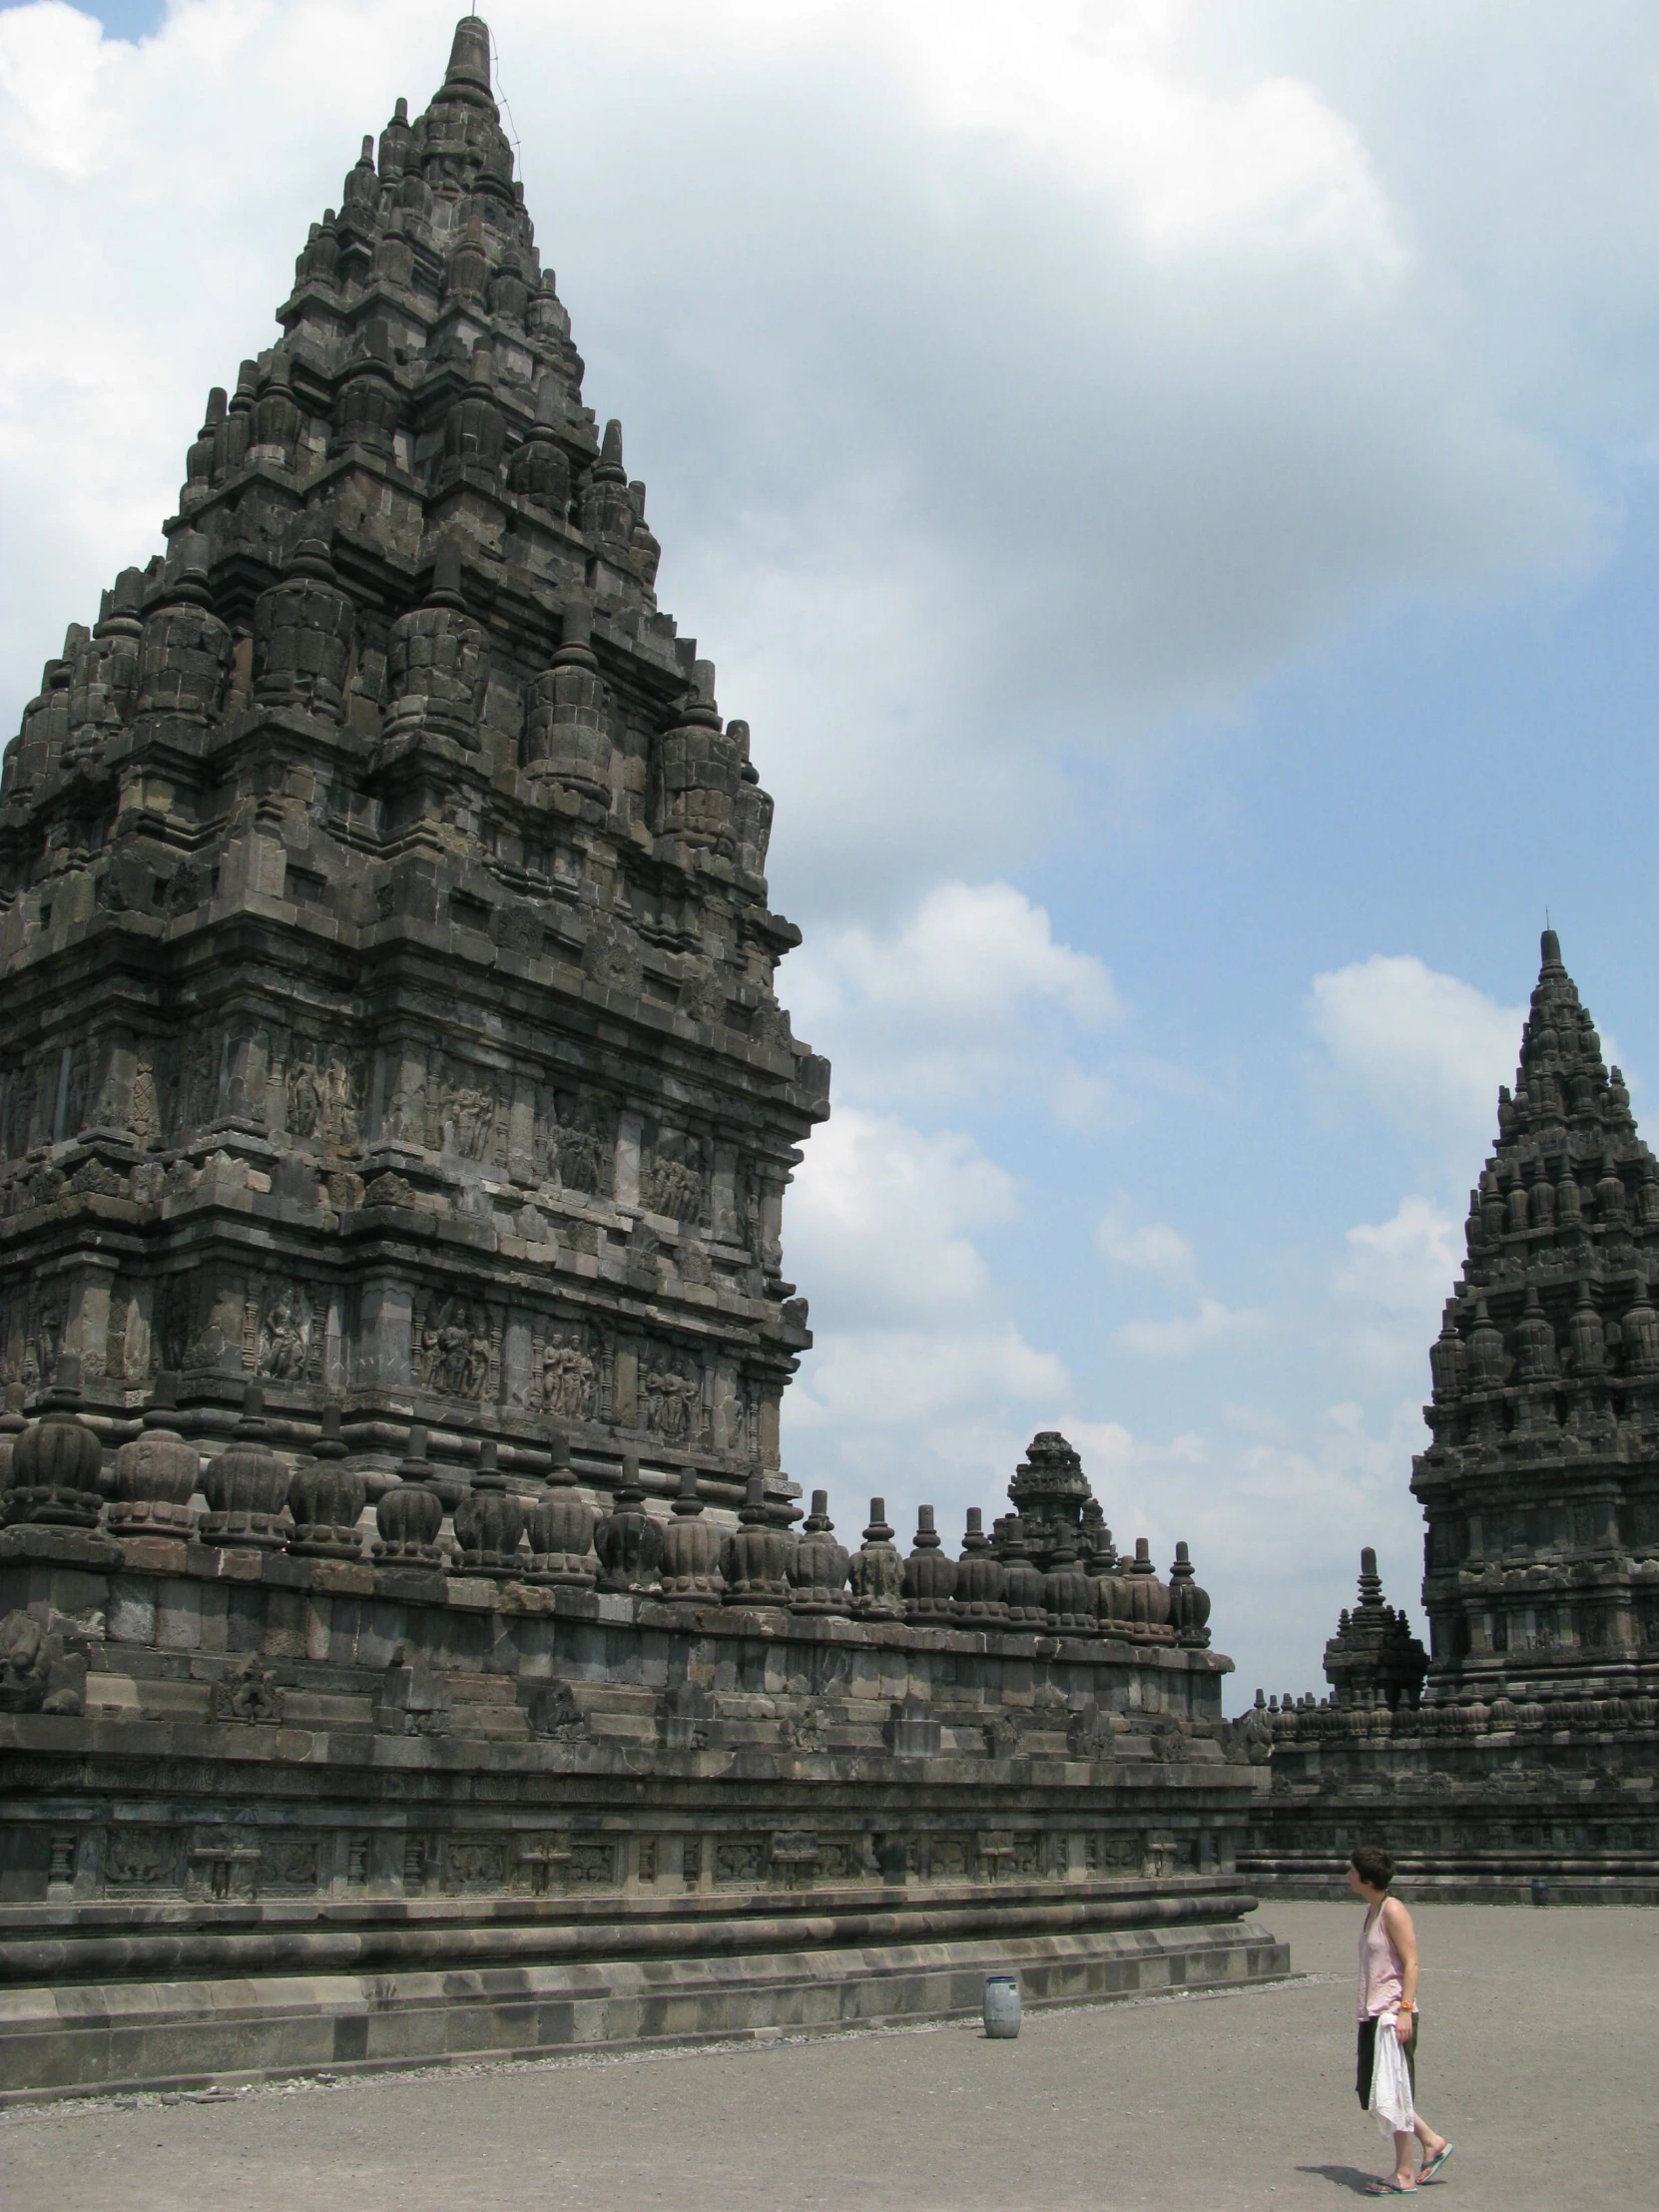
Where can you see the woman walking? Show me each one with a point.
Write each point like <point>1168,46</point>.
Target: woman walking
<point>1388,1994</point>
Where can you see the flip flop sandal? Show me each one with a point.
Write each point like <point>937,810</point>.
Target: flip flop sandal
<point>1433,2166</point>
<point>1391,2189</point>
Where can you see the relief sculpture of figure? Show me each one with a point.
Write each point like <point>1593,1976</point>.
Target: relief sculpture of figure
<point>305,1101</point>
<point>566,1379</point>
<point>339,1102</point>
<point>671,1404</point>
<point>285,1338</point>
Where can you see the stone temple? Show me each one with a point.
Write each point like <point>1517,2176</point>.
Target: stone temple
<point>409,1648</point>
<point>1531,1751</point>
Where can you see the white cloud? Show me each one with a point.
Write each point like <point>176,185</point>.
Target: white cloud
<point>966,994</point>
<point>1406,1265</point>
<point>1179,1337</point>
<point>1149,1247</point>
<point>1426,1049</point>
<point>878,1217</point>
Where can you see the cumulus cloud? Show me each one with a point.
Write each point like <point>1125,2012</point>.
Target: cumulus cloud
<point>1184,1334</point>
<point>969,995</point>
<point>1151,1247</point>
<point>1426,1049</point>
<point>820,258</point>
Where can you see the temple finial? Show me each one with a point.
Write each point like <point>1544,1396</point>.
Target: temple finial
<point>469,56</point>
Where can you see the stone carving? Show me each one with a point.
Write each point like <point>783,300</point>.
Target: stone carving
<point>673,1183</point>
<point>248,1692</point>
<point>819,1566</point>
<point>671,1397</point>
<point>576,1142</point>
<point>556,1713</point>
<point>566,1375</point>
<point>37,1673</point>
<point>454,1349</point>
<point>288,1339</point>
<point>324,1095</point>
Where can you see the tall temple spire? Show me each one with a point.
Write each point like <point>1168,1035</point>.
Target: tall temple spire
<point>383,925</point>
<point>1546,1410</point>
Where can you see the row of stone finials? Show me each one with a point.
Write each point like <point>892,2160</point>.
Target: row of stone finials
<point>545,1533</point>
<point>1312,1720</point>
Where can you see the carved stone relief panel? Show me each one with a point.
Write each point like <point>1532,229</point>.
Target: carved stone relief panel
<point>671,1395</point>
<point>673,1176</point>
<point>455,1347</point>
<point>321,1091</point>
<point>575,1140</point>
<point>462,1110</point>
<point>565,1378</point>
<point>286,1329</point>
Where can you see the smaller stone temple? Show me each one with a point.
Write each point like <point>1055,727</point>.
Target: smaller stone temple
<point>1530,1745</point>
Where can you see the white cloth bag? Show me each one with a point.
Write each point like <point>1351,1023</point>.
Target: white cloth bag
<point>1391,2080</point>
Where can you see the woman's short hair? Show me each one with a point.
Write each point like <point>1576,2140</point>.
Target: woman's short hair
<point>1374,1866</point>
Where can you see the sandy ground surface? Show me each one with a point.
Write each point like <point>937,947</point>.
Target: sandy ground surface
<point>1537,2057</point>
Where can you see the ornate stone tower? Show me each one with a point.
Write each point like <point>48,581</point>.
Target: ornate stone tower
<point>1542,1486</point>
<point>388,1007</point>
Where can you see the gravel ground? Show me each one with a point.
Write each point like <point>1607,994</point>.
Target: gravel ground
<point>1537,2058</point>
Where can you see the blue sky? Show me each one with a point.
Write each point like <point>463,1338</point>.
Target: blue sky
<point>1172,489</point>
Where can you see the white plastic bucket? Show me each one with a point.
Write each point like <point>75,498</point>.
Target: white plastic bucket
<point>1001,2004</point>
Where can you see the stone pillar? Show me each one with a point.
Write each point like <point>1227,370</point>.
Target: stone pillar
<point>626,1387</point>
<point>629,1131</point>
<point>382,1349</point>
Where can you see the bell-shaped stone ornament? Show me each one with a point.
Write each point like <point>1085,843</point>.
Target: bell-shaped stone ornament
<point>157,1473</point>
<point>184,655</point>
<point>409,1516</point>
<point>246,1485</point>
<point>1022,1581</point>
<point>930,1574</point>
<point>756,1561</point>
<point>980,1596</point>
<point>1070,1596</point>
<point>876,1571</point>
<point>326,1498</point>
<point>437,660</point>
<point>628,1539</point>
<point>697,771</point>
<point>302,632</point>
<point>819,1566</point>
<point>559,1524</point>
<point>489,1521</point>
<point>55,1461</point>
<point>567,734</point>
<point>1189,1603</point>
<point>689,1566</point>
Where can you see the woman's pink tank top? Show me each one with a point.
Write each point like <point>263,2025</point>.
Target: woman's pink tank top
<point>1380,1988</point>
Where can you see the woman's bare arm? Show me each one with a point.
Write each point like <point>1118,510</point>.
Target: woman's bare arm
<point>1402,1937</point>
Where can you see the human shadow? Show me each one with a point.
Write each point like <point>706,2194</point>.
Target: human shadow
<point>1351,2178</point>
